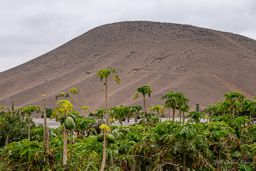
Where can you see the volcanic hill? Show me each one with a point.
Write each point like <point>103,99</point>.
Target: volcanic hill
<point>202,63</point>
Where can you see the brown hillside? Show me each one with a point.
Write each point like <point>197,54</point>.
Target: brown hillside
<point>202,63</point>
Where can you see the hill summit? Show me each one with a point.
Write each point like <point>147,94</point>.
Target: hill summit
<point>202,63</point>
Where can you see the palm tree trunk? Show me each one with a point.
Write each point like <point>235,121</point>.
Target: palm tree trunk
<point>29,126</point>
<point>144,107</point>
<point>65,147</point>
<point>6,140</point>
<point>46,138</point>
<point>106,98</point>
<point>71,135</point>
<point>62,132</point>
<point>101,122</point>
<point>104,153</point>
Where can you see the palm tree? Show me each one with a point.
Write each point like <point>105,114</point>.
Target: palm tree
<point>106,129</point>
<point>74,92</point>
<point>172,100</point>
<point>182,101</point>
<point>146,89</point>
<point>62,94</point>
<point>84,109</point>
<point>159,109</point>
<point>168,106</point>
<point>46,137</point>
<point>106,73</point>
<point>29,110</point>
<point>64,106</point>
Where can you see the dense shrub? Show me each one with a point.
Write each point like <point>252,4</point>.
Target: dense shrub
<point>15,127</point>
<point>48,113</point>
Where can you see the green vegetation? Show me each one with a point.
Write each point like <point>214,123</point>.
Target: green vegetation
<point>225,141</point>
<point>48,113</point>
<point>105,74</point>
<point>144,90</point>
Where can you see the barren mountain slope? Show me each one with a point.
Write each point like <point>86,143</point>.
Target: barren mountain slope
<point>202,63</point>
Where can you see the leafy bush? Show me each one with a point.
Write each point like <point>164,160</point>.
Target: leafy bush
<point>23,155</point>
<point>15,127</point>
<point>48,113</point>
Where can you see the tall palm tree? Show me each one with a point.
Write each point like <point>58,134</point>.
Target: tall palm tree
<point>74,92</point>
<point>146,89</point>
<point>62,94</point>
<point>106,129</point>
<point>64,106</point>
<point>182,101</point>
<point>105,74</point>
<point>171,102</point>
<point>168,106</point>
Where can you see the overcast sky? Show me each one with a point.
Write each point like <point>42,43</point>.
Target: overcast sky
<point>30,28</point>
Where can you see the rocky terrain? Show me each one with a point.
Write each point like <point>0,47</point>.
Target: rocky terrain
<point>202,63</point>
